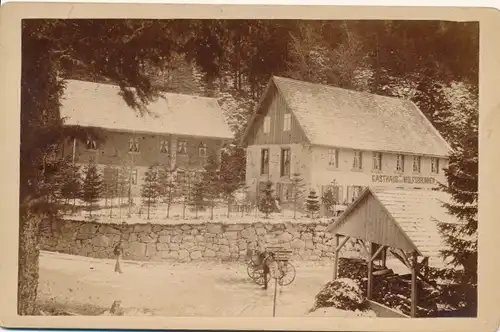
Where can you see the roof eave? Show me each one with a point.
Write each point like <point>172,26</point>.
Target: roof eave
<point>331,228</point>
<point>448,146</point>
<point>226,138</point>
<point>347,211</point>
<point>254,115</point>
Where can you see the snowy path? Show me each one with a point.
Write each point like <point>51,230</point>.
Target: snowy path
<point>176,289</point>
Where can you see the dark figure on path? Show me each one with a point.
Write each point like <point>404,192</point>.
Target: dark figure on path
<point>265,266</point>
<point>118,251</point>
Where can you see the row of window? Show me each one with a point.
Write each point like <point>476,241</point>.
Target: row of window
<point>357,162</point>
<point>134,147</point>
<point>287,123</point>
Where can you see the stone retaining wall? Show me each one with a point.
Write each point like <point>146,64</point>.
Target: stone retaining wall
<point>186,242</point>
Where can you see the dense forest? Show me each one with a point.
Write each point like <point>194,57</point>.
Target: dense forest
<point>433,63</point>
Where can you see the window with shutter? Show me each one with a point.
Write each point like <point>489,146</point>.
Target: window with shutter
<point>357,160</point>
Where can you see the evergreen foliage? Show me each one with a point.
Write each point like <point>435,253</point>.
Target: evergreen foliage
<point>123,188</point>
<point>198,200</point>
<point>92,188</point>
<point>167,185</point>
<point>267,201</point>
<point>150,188</point>
<point>462,185</point>
<point>212,181</point>
<point>329,199</point>
<point>312,204</point>
<point>298,190</point>
<point>232,173</point>
<point>72,186</point>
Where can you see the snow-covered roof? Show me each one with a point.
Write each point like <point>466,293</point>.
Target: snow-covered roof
<point>332,116</point>
<point>415,212</point>
<point>90,104</point>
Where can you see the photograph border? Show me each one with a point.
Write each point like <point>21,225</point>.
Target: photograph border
<point>489,180</point>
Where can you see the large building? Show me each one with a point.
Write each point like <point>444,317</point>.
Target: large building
<point>327,133</point>
<point>176,130</point>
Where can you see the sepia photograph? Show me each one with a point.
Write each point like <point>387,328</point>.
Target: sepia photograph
<point>248,168</point>
<point>256,167</point>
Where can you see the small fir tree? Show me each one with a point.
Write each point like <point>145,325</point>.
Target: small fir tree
<point>212,183</point>
<point>110,179</point>
<point>150,188</point>
<point>72,186</point>
<point>297,191</point>
<point>122,186</point>
<point>167,185</point>
<point>267,201</point>
<point>125,173</point>
<point>312,204</point>
<point>198,199</point>
<point>92,186</point>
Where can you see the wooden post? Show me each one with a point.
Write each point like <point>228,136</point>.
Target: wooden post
<point>275,293</point>
<point>370,274</point>
<point>74,150</point>
<point>384,258</point>
<point>414,273</point>
<point>336,258</point>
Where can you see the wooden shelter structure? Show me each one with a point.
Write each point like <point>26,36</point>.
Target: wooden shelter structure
<point>403,221</point>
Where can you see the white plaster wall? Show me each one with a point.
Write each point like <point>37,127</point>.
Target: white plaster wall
<point>300,163</point>
<point>345,175</point>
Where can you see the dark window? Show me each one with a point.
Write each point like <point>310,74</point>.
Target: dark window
<point>357,162</point>
<point>164,146</point>
<point>435,165</point>
<point>133,145</point>
<point>400,163</point>
<point>285,162</point>
<point>202,150</point>
<point>264,161</point>
<point>91,144</point>
<point>377,161</point>
<point>182,148</point>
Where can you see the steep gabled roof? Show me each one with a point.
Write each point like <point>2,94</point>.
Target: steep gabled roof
<point>90,104</point>
<point>332,116</point>
<point>416,213</point>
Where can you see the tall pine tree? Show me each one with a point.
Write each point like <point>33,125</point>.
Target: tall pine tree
<point>462,185</point>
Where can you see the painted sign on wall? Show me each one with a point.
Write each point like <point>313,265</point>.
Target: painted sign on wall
<point>403,179</point>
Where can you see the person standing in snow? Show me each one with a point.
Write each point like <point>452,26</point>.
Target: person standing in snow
<point>118,251</point>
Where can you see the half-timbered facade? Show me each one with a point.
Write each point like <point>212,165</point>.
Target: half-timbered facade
<point>180,131</point>
<point>340,140</point>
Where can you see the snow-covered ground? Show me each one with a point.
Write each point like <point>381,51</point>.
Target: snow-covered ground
<point>177,289</point>
<point>158,215</point>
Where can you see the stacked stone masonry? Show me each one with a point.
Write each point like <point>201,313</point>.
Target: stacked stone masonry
<point>191,242</point>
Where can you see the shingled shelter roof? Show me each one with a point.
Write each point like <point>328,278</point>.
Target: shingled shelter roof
<point>332,116</point>
<point>399,218</point>
<point>90,104</point>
